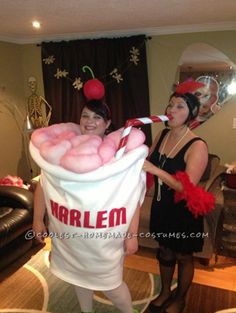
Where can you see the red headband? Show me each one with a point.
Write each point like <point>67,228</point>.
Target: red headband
<point>188,86</point>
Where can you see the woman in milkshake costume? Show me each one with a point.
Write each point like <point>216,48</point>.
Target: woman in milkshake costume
<point>95,120</point>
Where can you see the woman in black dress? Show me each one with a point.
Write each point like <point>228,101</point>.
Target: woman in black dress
<point>178,230</point>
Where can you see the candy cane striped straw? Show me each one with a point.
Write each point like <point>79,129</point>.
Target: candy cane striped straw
<point>137,122</point>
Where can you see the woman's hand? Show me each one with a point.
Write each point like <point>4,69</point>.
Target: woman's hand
<point>149,167</point>
<point>40,231</point>
<point>131,245</point>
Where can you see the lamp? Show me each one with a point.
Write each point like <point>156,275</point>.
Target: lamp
<point>28,124</point>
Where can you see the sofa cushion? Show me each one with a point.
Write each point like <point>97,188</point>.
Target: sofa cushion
<point>5,211</point>
<point>16,213</point>
<point>13,224</point>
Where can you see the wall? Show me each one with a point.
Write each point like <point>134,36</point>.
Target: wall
<point>163,55</point>
<point>19,62</point>
<point>11,111</point>
<point>31,66</point>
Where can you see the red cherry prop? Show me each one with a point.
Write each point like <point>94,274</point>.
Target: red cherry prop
<point>93,88</point>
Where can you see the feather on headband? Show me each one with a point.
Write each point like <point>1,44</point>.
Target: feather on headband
<point>188,86</point>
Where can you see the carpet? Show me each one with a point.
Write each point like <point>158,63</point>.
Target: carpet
<point>33,289</point>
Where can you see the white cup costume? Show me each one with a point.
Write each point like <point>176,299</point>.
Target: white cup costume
<point>89,215</point>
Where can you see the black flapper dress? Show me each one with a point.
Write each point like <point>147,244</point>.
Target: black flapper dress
<point>172,223</point>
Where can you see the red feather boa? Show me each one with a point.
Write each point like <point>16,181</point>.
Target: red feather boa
<point>149,180</point>
<point>198,200</point>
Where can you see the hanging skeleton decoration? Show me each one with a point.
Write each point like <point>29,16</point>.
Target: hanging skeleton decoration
<point>38,109</point>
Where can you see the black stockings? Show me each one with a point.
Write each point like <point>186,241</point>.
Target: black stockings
<point>185,274</point>
<point>167,260</point>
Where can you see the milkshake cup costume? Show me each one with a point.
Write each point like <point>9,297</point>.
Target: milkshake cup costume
<point>89,215</point>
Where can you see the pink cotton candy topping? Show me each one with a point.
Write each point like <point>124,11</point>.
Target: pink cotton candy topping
<point>63,145</point>
<point>54,132</point>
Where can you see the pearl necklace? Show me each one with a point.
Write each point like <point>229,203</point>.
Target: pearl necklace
<point>163,158</point>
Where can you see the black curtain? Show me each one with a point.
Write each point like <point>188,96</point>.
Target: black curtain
<point>120,64</point>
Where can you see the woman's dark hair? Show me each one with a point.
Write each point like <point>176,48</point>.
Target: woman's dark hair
<point>99,107</point>
<point>192,102</point>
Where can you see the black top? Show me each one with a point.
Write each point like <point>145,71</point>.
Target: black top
<point>173,224</point>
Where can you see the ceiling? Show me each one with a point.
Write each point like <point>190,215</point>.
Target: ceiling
<point>75,19</point>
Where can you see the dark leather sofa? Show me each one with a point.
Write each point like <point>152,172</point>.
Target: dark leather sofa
<point>16,215</point>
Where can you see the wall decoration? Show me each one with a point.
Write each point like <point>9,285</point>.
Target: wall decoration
<point>49,60</point>
<point>78,84</point>
<point>60,73</point>
<point>211,96</point>
<point>204,63</point>
<point>134,55</point>
<point>115,74</point>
